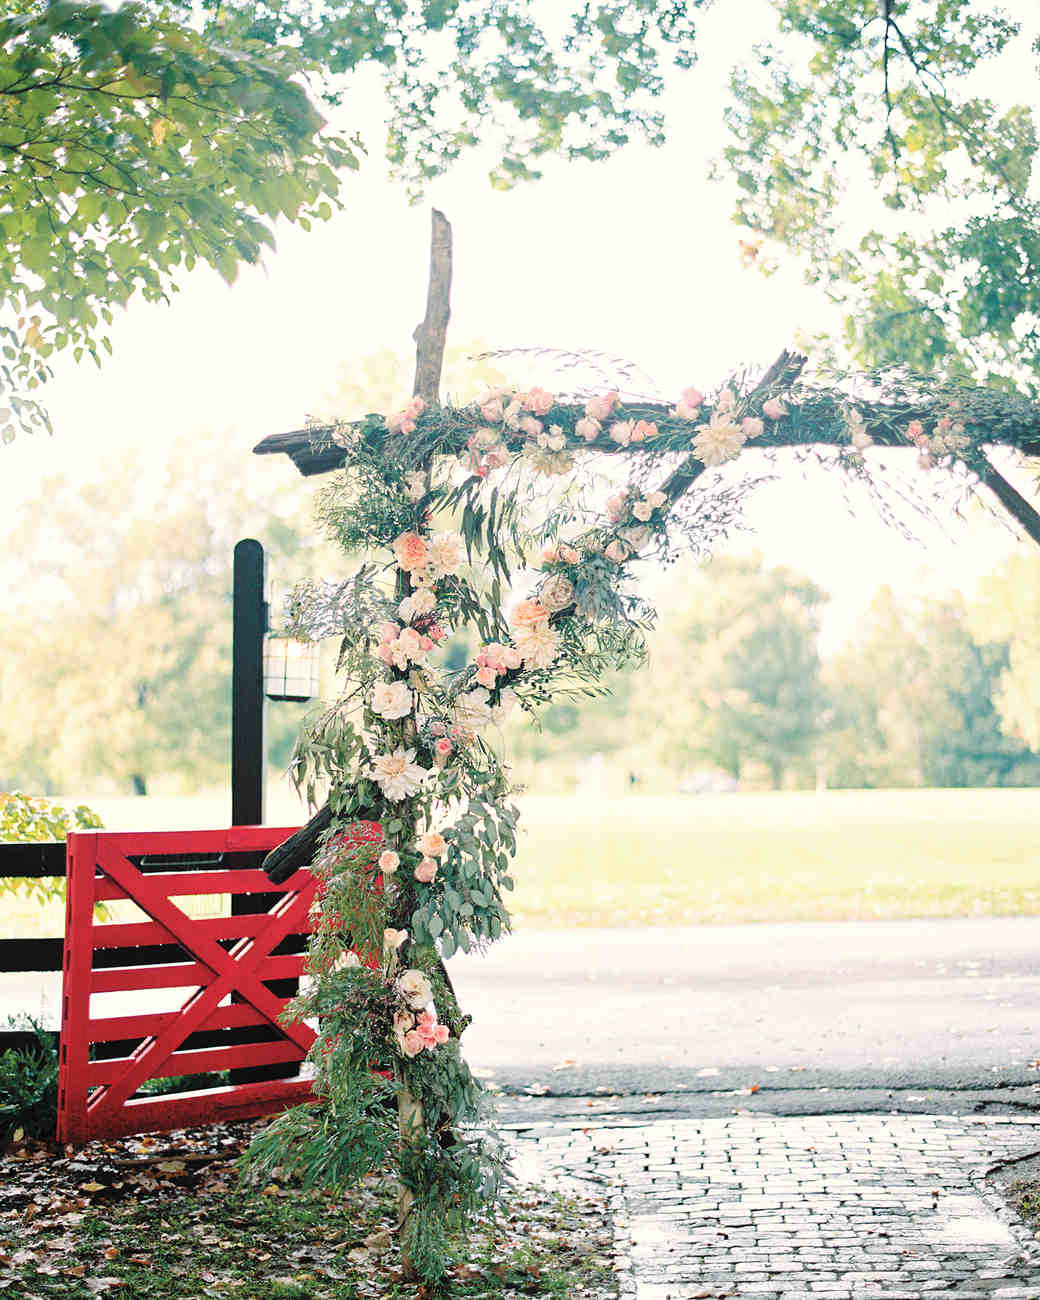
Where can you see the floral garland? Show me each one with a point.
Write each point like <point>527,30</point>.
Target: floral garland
<point>407,748</point>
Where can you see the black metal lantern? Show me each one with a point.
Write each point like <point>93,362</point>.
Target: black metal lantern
<point>291,668</point>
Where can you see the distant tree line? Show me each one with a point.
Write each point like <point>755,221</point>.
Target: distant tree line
<point>933,693</point>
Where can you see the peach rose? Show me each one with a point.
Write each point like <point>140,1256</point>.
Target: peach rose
<point>588,428</point>
<point>616,551</point>
<point>529,425</point>
<point>432,844</point>
<point>388,862</point>
<point>528,612</point>
<point>410,550</point>
<point>774,409</point>
<point>426,871</point>
<point>644,429</point>
<point>621,432</point>
<point>753,427</point>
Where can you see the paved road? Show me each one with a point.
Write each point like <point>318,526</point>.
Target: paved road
<point>870,1008</point>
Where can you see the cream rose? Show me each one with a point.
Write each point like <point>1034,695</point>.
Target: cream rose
<point>391,700</point>
<point>414,988</point>
<point>432,844</point>
<point>556,594</point>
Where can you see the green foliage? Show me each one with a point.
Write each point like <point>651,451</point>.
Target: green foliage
<point>29,1088</point>
<point>25,819</point>
<point>146,139</point>
<point>1006,619</point>
<point>863,98</point>
<point>916,703</point>
<point>736,673</point>
<point>121,675</point>
<point>138,146</point>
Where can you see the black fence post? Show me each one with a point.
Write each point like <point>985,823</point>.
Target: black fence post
<point>249,623</point>
<point>248,752</point>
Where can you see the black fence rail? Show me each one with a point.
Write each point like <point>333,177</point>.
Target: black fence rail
<point>29,862</point>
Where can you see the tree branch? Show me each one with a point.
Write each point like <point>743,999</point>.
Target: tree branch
<point>431,333</point>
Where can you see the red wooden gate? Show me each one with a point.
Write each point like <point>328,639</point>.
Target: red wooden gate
<point>227,997</point>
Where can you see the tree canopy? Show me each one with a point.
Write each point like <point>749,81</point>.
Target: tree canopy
<point>139,140</point>
<point>861,143</point>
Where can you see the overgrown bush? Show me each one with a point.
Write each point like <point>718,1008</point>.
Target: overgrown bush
<point>29,1088</point>
<point>24,819</point>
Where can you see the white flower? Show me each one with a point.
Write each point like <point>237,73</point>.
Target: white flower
<point>642,510</point>
<point>397,774</point>
<point>637,538</point>
<point>513,414</point>
<point>538,643</point>
<point>415,989</point>
<point>621,432</point>
<point>418,603</point>
<point>444,554</point>
<point>472,710</point>
<point>556,594</point>
<point>684,411</point>
<point>655,500</point>
<point>718,441</point>
<point>391,700</point>
<point>505,706</point>
<point>393,939</point>
<point>416,481</point>
<point>346,961</point>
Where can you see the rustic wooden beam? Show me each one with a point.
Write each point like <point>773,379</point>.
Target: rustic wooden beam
<point>431,333</point>
<point>1010,498</point>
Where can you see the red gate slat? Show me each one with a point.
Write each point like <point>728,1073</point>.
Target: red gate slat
<point>135,934</point>
<point>174,975</point>
<point>110,1029</point>
<point>200,1061</point>
<point>180,884</point>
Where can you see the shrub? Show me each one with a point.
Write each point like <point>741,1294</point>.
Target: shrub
<point>24,819</point>
<point>29,1088</point>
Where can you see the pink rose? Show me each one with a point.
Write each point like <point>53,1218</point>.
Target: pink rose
<point>511,657</point>
<point>774,409</point>
<point>538,401</point>
<point>441,1034</point>
<point>497,457</point>
<point>412,1044</point>
<point>389,631</point>
<point>438,728</point>
<point>915,430</point>
<point>616,551</point>
<point>644,429</point>
<point>493,411</point>
<point>388,862</point>
<point>416,406</point>
<point>426,872</point>
<point>443,746</point>
<point>588,428</point>
<point>598,408</point>
<point>529,425</point>
<point>752,426</point>
<point>487,677</point>
<point>692,397</point>
<point>617,507</point>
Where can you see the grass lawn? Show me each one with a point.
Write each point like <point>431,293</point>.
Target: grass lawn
<point>725,859</point>
<point>839,855</point>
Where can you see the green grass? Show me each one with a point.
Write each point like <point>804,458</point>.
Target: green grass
<point>725,859</point>
<point>683,860</point>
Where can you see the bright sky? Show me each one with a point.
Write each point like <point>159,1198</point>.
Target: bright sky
<point>636,257</point>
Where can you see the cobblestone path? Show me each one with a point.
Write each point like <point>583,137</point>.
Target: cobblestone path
<point>774,1208</point>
